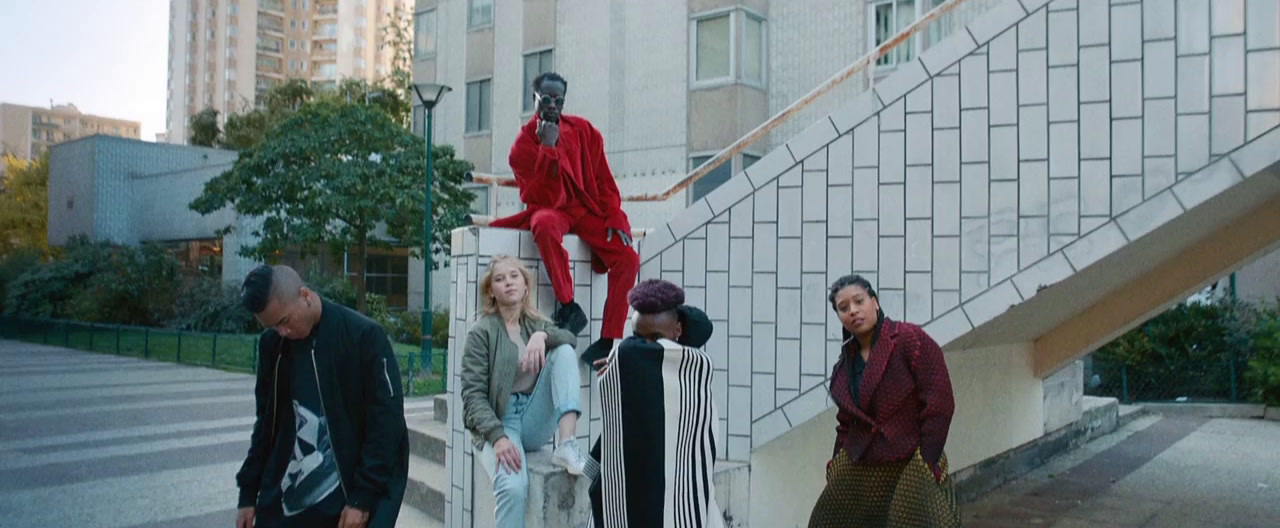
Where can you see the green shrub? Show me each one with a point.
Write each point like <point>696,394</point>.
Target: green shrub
<point>13,265</point>
<point>1263,375</point>
<point>135,286</point>
<point>335,288</point>
<point>206,304</point>
<point>1185,351</point>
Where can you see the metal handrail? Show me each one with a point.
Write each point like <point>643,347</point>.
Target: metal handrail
<point>479,220</point>
<point>772,123</point>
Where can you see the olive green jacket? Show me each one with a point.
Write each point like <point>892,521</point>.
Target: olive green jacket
<point>490,361</point>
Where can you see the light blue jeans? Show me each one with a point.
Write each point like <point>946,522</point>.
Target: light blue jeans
<point>530,422</point>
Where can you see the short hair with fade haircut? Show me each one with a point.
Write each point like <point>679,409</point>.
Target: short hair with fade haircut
<point>549,76</point>
<point>269,282</point>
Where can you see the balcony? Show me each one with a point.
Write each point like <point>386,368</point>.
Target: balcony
<point>270,46</point>
<point>327,31</point>
<point>271,24</point>
<point>326,10</point>
<point>324,48</point>
<point>272,5</point>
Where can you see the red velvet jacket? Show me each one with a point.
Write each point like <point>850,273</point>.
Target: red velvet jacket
<point>574,173</point>
<point>905,402</point>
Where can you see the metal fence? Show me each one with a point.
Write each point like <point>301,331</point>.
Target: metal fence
<point>231,352</point>
<point>1174,381</point>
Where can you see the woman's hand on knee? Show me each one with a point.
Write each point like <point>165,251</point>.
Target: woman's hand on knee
<point>535,353</point>
<point>508,455</point>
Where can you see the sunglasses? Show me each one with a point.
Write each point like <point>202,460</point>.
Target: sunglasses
<point>547,100</point>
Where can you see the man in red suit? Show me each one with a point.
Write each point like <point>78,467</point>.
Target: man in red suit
<point>566,184</point>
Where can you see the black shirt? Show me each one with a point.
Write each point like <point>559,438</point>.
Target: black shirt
<point>312,484</point>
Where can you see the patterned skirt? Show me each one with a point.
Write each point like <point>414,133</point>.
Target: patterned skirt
<point>891,495</point>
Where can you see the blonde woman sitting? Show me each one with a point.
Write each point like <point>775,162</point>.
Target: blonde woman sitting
<point>520,384</point>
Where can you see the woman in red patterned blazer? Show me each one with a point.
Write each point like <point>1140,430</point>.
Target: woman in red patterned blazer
<point>895,403</point>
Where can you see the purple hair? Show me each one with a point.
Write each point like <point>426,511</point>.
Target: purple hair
<point>655,296</point>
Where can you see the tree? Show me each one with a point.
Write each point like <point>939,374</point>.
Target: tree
<point>343,177</point>
<point>204,128</point>
<point>24,205</point>
<point>397,36</point>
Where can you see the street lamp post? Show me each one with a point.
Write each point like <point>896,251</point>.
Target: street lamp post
<point>429,94</point>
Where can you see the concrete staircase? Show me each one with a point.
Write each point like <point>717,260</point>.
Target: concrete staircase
<point>424,498</point>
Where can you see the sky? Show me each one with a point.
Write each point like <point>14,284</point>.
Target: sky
<point>108,57</point>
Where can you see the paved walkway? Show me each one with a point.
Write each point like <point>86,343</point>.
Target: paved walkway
<point>1157,472</point>
<point>101,441</point>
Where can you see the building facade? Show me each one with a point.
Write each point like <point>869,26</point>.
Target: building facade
<point>28,131</point>
<point>224,54</point>
<point>669,83</point>
<point>131,192</point>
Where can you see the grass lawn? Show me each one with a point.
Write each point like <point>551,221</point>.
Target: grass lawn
<point>230,352</point>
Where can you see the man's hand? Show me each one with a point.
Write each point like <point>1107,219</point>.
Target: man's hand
<point>353,518</point>
<point>622,235</point>
<point>507,454</point>
<point>601,365</point>
<point>244,517</point>
<point>548,133</point>
<point>535,353</point>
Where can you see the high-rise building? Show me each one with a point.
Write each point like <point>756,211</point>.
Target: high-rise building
<point>224,54</point>
<point>28,131</point>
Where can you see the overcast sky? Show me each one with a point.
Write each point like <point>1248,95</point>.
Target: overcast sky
<point>108,57</point>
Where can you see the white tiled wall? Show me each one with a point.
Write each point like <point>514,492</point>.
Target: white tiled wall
<point>1002,161</point>
<point>1021,150</point>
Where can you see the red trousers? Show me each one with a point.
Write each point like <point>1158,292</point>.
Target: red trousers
<point>549,227</point>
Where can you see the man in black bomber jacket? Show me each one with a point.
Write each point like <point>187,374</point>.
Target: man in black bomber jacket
<point>329,446</point>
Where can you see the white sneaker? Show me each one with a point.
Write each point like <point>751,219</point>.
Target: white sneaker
<point>568,456</point>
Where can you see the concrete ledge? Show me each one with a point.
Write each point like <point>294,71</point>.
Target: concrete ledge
<point>1100,416</point>
<point>1272,413</point>
<point>557,499</point>
<point>1209,410</point>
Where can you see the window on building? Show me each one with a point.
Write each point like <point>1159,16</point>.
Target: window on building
<point>233,31</point>
<point>304,65</point>
<point>424,34</point>
<point>293,44</point>
<point>388,276</point>
<point>729,46</point>
<point>293,24</point>
<point>329,70</point>
<point>534,63</point>
<point>478,106</point>
<point>361,21</point>
<point>712,48</point>
<point>304,24</point>
<point>753,49</point>
<point>479,204</point>
<point>890,17</point>
<point>293,65</point>
<point>711,180</point>
<point>235,10</point>
<point>480,14</point>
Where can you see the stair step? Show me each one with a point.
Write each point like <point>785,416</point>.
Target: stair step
<point>411,517</point>
<point>425,489</point>
<point>419,406</point>
<point>440,407</point>
<point>427,438</point>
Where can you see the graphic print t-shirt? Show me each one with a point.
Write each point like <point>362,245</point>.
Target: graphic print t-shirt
<point>312,484</point>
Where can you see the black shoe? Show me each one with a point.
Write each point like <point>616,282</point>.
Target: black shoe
<point>598,350</point>
<point>570,317</point>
